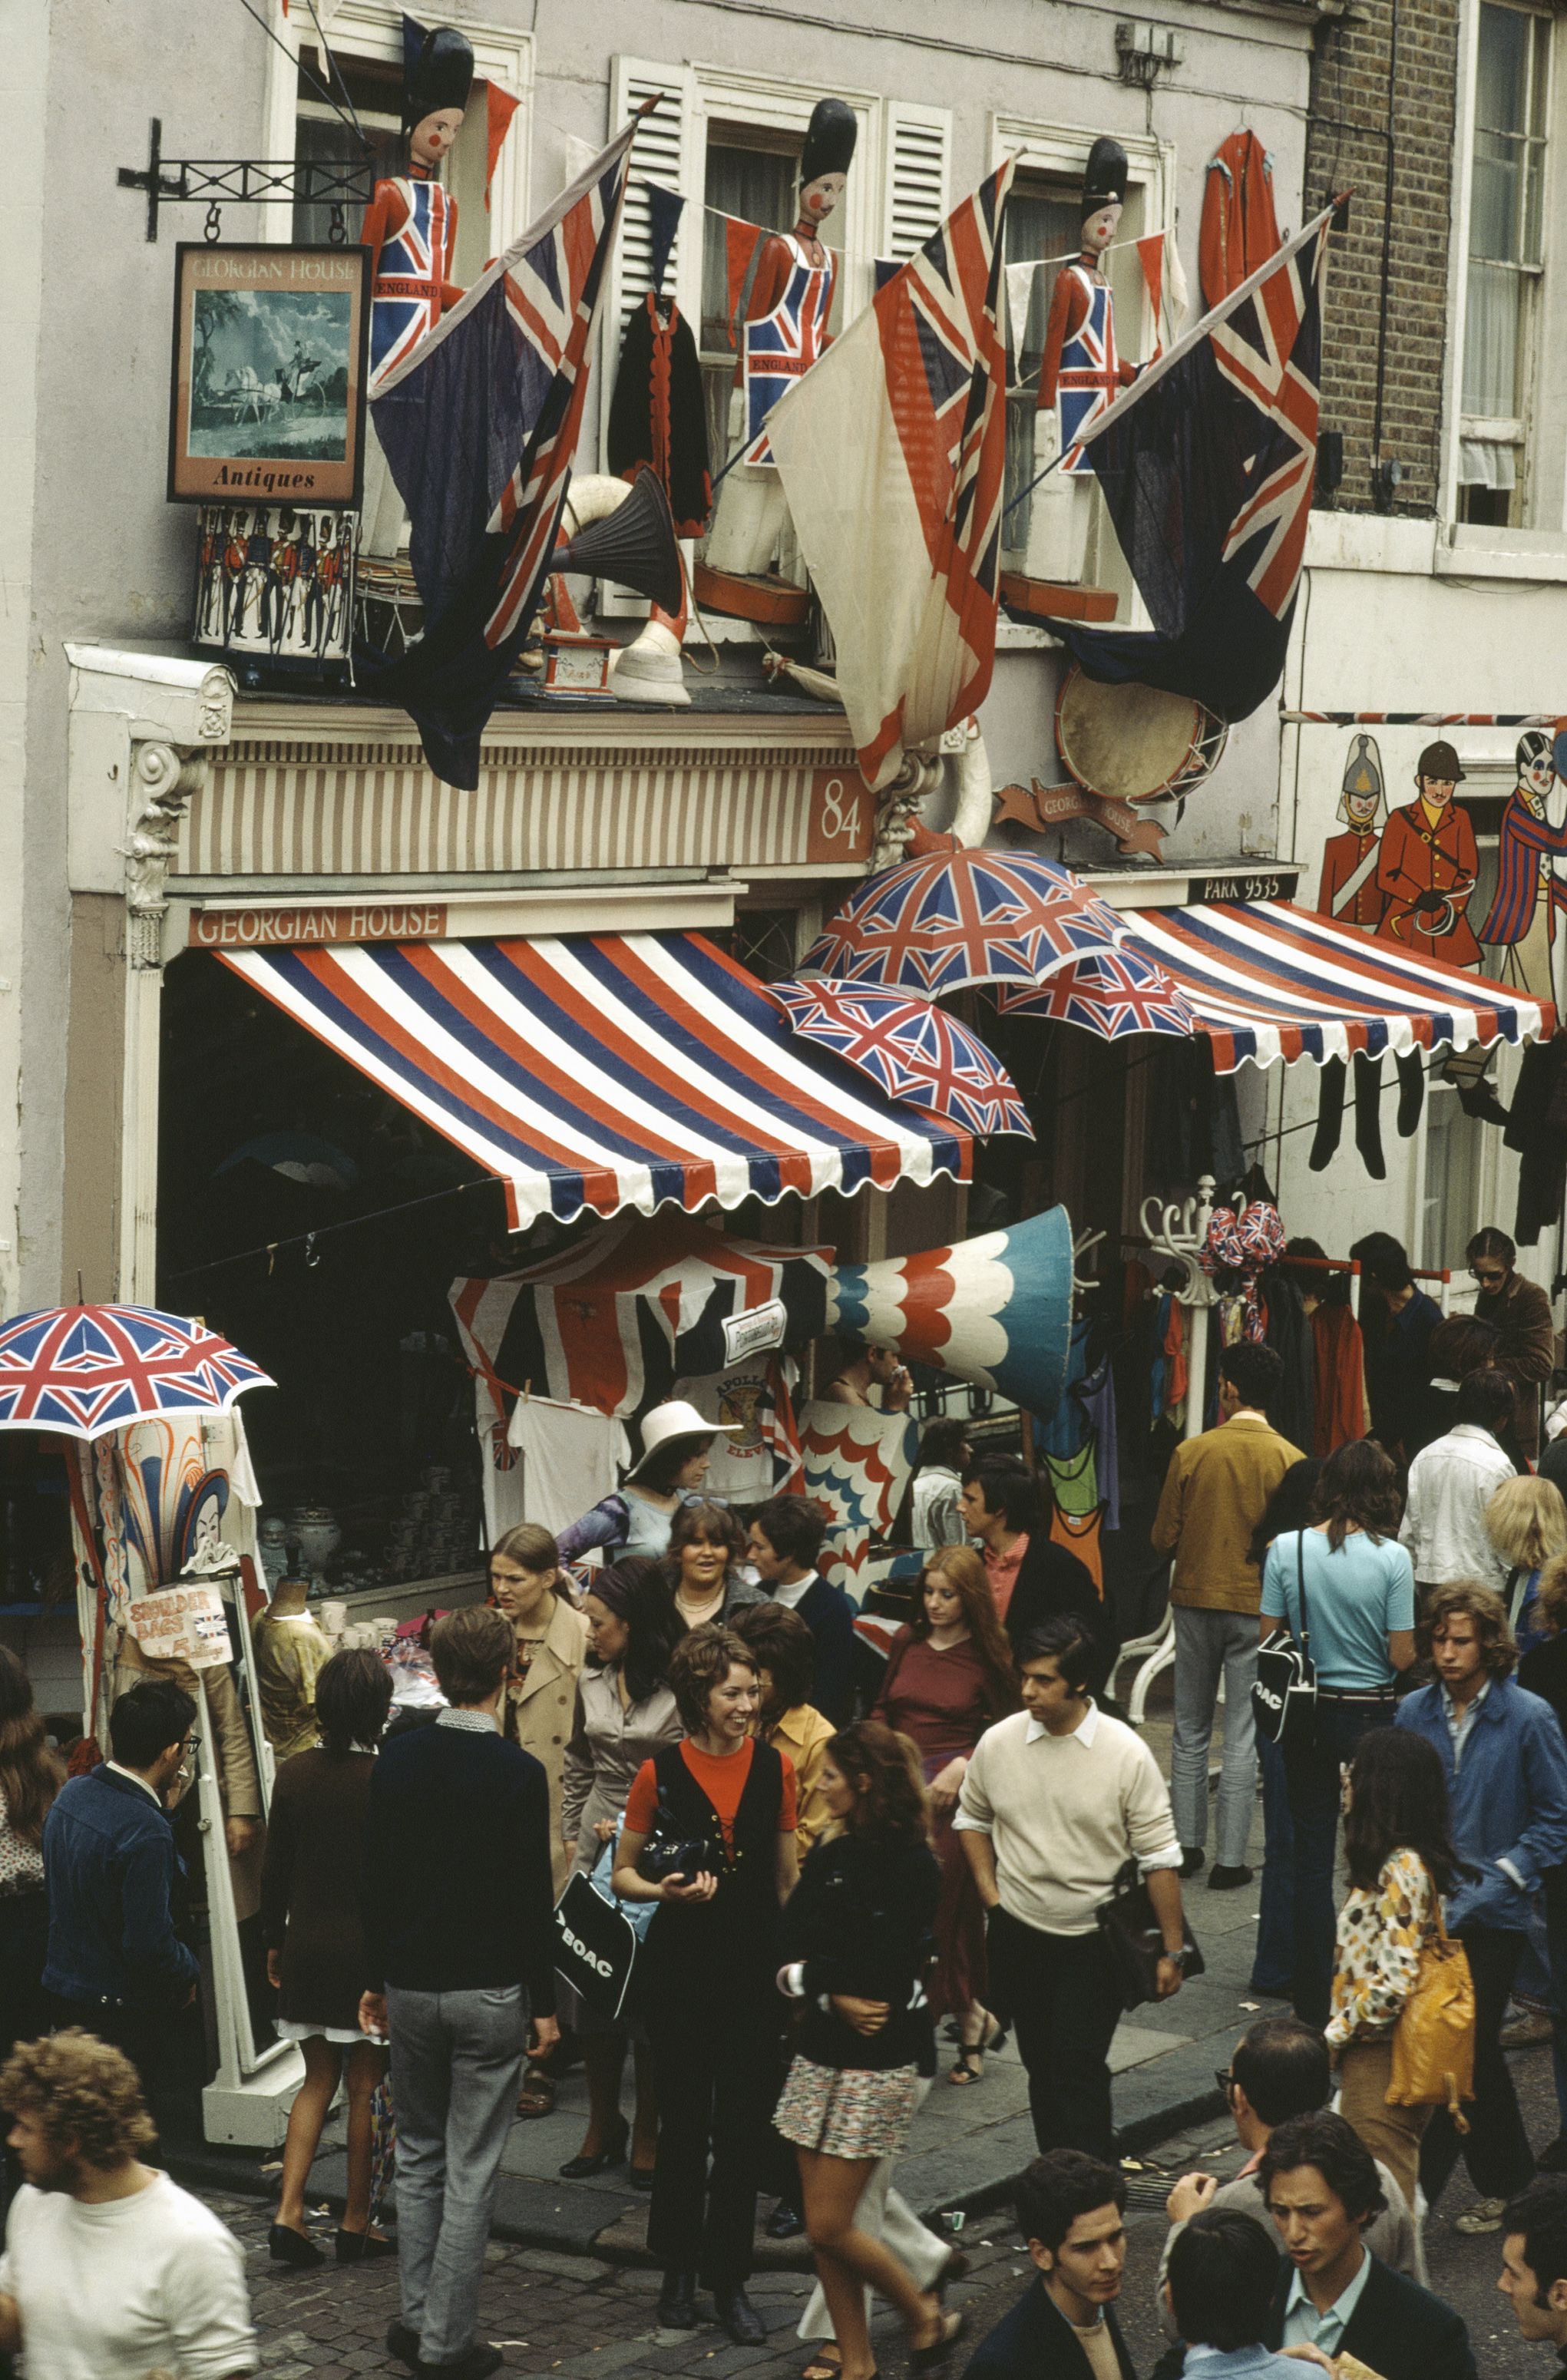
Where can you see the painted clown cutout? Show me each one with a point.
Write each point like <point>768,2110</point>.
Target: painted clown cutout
<point>1520,932</point>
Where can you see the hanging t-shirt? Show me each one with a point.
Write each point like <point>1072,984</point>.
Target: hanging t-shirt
<point>763,1458</point>
<point>571,1457</point>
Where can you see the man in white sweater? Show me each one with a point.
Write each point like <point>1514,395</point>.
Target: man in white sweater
<point>1055,1801</point>
<point>111,2271</point>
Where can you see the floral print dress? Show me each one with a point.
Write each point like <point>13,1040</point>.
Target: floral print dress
<point>1380,1937</point>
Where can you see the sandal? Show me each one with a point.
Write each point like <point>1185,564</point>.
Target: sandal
<point>929,2359</point>
<point>967,2067</point>
<point>825,2364</point>
<point>537,2096</point>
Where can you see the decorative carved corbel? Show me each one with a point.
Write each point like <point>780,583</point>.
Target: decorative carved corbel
<point>163,778</point>
<point>898,811</point>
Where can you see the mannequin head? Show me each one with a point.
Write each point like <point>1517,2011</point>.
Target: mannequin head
<point>1104,195</point>
<point>437,81</point>
<point>825,160</point>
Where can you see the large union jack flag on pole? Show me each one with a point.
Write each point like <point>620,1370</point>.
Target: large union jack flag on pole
<point>480,425</point>
<point>891,450</point>
<point>1207,464</point>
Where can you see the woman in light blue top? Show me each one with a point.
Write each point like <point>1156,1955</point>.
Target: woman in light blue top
<point>1348,1587</point>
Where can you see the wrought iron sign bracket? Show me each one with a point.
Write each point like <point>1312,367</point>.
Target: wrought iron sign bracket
<point>337,182</point>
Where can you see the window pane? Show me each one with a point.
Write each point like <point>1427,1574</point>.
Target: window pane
<point>329,141</point>
<point>1490,341</point>
<point>758,185</point>
<point>1501,79</point>
<point>1495,203</point>
<point>1039,224</point>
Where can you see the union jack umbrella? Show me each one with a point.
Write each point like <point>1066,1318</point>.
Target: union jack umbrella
<point>912,1050</point>
<point>83,1370</point>
<point>1110,993</point>
<point>959,917</point>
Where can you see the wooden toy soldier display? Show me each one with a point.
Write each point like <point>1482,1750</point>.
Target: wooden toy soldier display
<point>783,332</point>
<point>410,228</point>
<point>1349,890</point>
<point>1079,377</point>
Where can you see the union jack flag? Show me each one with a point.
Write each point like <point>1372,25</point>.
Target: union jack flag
<point>900,522</point>
<point>480,427</point>
<point>1208,466</point>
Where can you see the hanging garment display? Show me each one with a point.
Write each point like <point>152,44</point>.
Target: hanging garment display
<point>571,1457</point>
<point>1293,1411</point>
<point>1096,1397</point>
<point>657,414</point>
<point>1080,1533</point>
<point>1064,1433</point>
<point>763,1458</point>
<point>1537,1129</point>
<point>1245,1245</point>
<point>1239,230</point>
<point>1341,1412</point>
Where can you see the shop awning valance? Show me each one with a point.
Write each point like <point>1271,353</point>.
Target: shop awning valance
<point>1268,981</point>
<point>604,1071</point>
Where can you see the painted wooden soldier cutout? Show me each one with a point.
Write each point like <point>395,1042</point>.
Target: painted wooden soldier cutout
<point>783,332</point>
<point>1520,930</point>
<point>1079,377</point>
<point>410,228</point>
<point>1349,890</point>
<point>1429,865</point>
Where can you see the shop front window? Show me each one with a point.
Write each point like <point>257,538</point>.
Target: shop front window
<point>1506,261</point>
<point>375,88</point>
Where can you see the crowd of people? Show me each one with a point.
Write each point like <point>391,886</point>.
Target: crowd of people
<point>826,1876</point>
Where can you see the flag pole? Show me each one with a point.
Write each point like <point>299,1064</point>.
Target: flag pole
<point>1156,370</point>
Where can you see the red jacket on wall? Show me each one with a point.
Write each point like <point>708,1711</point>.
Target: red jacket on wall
<point>1239,231</point>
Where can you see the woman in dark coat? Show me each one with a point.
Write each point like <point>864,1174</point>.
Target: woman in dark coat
<point>315,1946</point>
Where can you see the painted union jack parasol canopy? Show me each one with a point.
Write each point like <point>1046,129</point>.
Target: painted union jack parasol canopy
<point>85,1369</point>
<point>912,1050</point>
<point>1109,993</point>
<point>958,917</point>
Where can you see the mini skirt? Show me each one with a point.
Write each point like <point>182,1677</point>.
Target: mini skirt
<point>848,2111</point>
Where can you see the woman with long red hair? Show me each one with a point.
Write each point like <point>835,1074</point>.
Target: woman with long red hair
<point>949,1674</point>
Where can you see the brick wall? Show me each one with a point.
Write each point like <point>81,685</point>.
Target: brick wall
<point>1347,146</point>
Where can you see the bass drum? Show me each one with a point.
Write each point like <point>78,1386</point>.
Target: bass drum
<point>1135,743</point>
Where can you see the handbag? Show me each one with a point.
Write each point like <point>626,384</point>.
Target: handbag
<point>595,1949</point>
<point>1136,1939</point>
<point>1283,1694</point>
<point>1434,2038</point>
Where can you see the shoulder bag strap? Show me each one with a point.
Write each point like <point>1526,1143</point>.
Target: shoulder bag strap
<point>1300,1581</point>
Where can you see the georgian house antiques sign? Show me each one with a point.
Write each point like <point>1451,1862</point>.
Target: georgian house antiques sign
<point>267,391</point>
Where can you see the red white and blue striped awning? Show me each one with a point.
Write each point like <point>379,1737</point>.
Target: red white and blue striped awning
<point>602,1071</point>
<point>1268,981</point>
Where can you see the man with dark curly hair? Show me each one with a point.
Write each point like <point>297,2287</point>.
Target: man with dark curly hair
<point>111,2271</point>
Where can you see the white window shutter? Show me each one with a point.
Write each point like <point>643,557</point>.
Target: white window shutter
<point>667,150</point>
<point>918,150</point>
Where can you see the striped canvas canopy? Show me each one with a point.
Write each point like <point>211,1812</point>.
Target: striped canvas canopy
<point>605,1071</point>
<point>1268,981</point>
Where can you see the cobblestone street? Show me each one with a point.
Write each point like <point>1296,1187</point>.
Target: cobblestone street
<point>581,2317</point>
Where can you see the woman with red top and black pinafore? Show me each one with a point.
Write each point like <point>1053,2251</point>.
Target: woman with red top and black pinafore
<point>948,1675</point>
<point>710,1836</point>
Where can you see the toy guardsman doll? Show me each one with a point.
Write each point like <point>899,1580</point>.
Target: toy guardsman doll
<point>1349,890</point>
<point>783,332</point>
<point>1520,929</point>
<point>1429,864</point>
<point>1079,377</point>
<point>410,228</point>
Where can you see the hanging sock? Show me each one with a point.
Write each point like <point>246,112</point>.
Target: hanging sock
<point>1410,1092</point>
<point>1329,1115</point>
<point>1368,1116</point>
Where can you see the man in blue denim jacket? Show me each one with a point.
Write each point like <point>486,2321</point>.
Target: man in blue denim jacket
<point>114,1964</point>
<point>1506,1767</point>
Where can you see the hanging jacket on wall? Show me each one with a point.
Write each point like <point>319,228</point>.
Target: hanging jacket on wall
<point>657,415</point>
<point>1239,231</point>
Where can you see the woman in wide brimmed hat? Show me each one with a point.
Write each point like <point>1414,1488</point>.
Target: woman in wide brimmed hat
<point>676,1444</point>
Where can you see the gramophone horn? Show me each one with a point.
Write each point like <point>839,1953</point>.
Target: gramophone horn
<point>996,1310</point>
<point>634,545</point>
